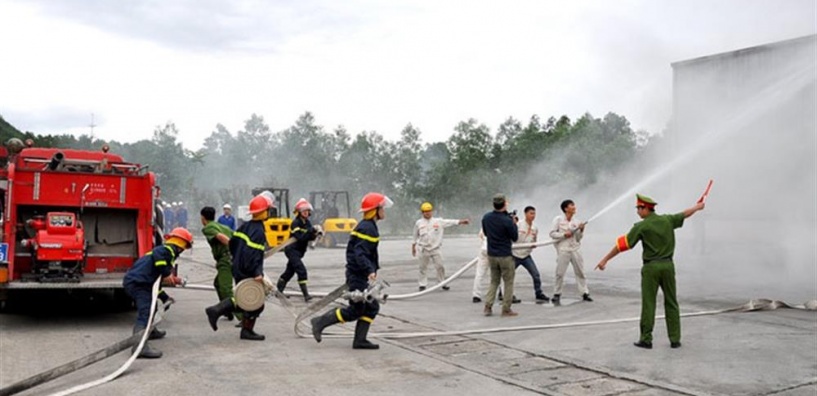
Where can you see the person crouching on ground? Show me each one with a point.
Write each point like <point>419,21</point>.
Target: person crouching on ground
<point>138,281</point>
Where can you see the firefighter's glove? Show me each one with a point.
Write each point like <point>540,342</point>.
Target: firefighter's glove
<point>174,280</point>
<point>318,230</point>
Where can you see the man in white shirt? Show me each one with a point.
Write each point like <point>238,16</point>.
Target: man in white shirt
<point>568,231</point>
<point>528,233</point>
<point>428,239</point>
<point>480,281</point>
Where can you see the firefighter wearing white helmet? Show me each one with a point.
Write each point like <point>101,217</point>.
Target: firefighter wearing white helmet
<point>303,231</point>
<point>362,264</point>
<point>428,239</point>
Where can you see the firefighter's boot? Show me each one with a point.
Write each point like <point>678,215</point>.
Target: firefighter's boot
<point>321,322</point>
<point>157,334</point>
<point>305,291</point>
<point>247,332</point>
<point>282,284</point>
<point>361,330</point>
<point>147,352</point>
<point>216,311</point>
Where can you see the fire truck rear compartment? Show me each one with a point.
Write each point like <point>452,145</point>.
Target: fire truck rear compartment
<point>111,246</point>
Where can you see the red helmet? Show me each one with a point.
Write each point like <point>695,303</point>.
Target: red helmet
<point>374,200</point>
<point>303,205</point>
<point>181,232</point>
<point>259,203</point>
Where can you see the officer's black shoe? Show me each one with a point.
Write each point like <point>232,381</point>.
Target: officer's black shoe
<point>515,300</point>
<point>422,288</point>
<point>476,300</point>
<point>446,287</point>
<point>675,345</point>
<point>304,290</point>
<point>157,334</point>
<point>542,298</point>
<point>229,317</point>
<point>321,322</point>
<point>147,352</point>
<point>282,284</point>
<point>643,344</point>
<point>557,299</point>
<point>247,332</point>
<point>361,330</point>
<point>216,311</point>
<point>586,297</point>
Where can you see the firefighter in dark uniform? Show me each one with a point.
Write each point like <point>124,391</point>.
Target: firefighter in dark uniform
<point>139,280</point>
<point>657,234</point>
<point>303,232</point>
<point>361,269</point>
<point>247,247</point>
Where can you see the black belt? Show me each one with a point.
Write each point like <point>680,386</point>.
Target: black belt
<point>669,259</point>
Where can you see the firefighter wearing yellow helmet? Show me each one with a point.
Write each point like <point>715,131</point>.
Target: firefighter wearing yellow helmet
<point>428,240</point>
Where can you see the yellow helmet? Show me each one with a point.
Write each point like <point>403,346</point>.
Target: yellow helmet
<point>426,207</point>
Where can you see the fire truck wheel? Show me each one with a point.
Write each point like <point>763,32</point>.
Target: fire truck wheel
<point>122,301</point>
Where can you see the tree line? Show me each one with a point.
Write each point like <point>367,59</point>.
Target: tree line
<point>459,174</point>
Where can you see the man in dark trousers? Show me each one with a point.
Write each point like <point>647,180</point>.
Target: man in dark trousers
<point>247,247</point>
<point>138,281</point>
<point>501,232</point>
<point>303,232</point>
<point>657,233</point>
<point>361,268</point>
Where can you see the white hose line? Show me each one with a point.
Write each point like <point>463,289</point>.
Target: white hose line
<point>118,372</point>
<point>462,270</point>
<point>750,306</point>
<point>437,286</point>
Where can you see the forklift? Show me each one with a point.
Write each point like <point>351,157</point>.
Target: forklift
<point>277,226</point>
<point>329,206</point>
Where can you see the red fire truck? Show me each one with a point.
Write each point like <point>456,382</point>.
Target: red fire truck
<point>72,219</point>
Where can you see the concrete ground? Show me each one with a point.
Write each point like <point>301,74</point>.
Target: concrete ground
<point>757,353</point>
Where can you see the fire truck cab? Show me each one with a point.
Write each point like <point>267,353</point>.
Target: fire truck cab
<point>72,218</point>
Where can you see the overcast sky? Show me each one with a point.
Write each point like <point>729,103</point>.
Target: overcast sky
<point>367,65</point>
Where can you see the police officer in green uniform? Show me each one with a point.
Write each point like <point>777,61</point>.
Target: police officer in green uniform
<point>218,237</point>
<point>657,234</point>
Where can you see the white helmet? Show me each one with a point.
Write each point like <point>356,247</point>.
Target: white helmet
<point>303,205</point>
<point>227,206</point>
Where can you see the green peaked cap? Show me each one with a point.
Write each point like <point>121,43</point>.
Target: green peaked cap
<point>645,199</point>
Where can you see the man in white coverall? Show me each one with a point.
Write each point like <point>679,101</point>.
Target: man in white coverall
<point>568,232</point>
<point>480,281</point>
<point>428,238</point>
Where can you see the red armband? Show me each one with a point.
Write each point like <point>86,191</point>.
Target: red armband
<point>622,244</point>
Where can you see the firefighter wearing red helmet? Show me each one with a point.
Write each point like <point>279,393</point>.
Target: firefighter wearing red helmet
<point>361,268</point>
<point>138,281</point>
<point>247,247</point>
<point>303,232</point>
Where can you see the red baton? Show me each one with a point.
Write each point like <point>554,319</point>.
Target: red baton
<point>702,199</point>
